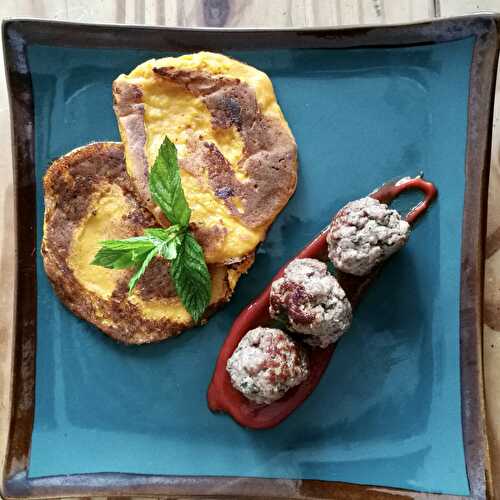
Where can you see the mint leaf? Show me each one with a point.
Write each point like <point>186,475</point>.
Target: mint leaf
<point>168,249</point>
<point>168,240</point>
<point>161,233</point>
<point>166,187</point>
<point>120,254</point>
<point>145,263</point>
<point>191,277</point>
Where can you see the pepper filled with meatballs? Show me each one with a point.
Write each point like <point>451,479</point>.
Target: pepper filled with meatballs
<point>281,344</point>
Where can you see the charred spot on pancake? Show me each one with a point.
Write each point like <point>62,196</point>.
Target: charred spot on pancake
<point>209,237</point>
<point>156,282</point>
<point>138,219</point>
<point>205,157</point>
<point>124,95</point>
<point>234,105</point>
<point>197,82</point>
<point>229,110</point>
<point>224,192</point>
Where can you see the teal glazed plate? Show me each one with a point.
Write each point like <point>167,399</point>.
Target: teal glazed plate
<point>400,408</point>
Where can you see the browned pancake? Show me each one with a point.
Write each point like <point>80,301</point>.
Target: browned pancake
<point>237,155</point>
<point>89,198</point>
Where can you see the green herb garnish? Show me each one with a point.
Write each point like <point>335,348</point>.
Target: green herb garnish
<point>176,244</point>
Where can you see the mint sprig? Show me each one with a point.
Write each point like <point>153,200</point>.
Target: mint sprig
<point>176,244</point>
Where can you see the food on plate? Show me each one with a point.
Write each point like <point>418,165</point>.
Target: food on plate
<point>310,301</point>
<point>224,396</point>
<point>208,156</point>
<point>237,154</point>
<point>266,364</point>
<point>88,199</point>
<point>363,234</point>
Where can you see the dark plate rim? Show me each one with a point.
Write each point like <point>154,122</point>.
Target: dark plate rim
<point>19,33</point>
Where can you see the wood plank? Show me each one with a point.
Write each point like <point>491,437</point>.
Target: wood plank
<point>7,256</point>
<point>460,7</point>
<point>348,12</point>
<point>99,11</point>
<point>248,13</point>
<point>371,12</point>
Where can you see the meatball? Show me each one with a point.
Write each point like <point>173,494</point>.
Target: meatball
<point>363,234</point>
<point>266,364</point>
<point>310,300</point>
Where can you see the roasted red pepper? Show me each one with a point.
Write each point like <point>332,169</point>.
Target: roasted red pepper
<point>222,396</point>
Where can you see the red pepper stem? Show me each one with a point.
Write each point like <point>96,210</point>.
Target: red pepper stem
<point>389,192</point>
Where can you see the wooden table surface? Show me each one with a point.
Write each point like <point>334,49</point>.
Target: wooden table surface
<point>245,13</point>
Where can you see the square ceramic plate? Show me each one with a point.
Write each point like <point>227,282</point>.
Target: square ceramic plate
<point>400,407</point>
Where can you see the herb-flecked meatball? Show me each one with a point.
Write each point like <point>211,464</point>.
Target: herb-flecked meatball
<point>363,234</point>
<point>311,302</point>
<point>266,364</point>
